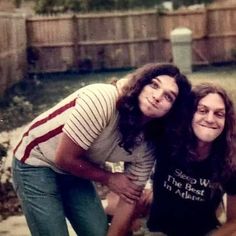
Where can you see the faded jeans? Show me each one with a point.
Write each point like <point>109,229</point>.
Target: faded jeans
<point>48,198</point>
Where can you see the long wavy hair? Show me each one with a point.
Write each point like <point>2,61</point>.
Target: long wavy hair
<point>222,155</point>
<point>128,105</point>
<point>224,148</point>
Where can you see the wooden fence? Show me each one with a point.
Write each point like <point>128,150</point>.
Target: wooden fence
<point>110,40</point>
<point>13,44</point>
<point>130,39</point>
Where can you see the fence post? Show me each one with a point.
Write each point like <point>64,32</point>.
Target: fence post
<point>181,39</point>
<point>75,40</point>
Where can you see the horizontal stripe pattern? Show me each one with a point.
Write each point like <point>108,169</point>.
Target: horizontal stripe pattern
<point>82,112</point>
<point>141,168</point>
<point>43,128</point>
<point>94,108</point>
<point>89,118</point>
<point>44,120</point>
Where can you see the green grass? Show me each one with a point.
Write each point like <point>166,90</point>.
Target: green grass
<point>26,100</point>
<point>223,76</point>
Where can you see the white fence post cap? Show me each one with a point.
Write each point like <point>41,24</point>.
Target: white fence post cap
<point>181,34</point>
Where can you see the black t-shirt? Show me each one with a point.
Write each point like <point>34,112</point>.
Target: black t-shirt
<point>185,199</point>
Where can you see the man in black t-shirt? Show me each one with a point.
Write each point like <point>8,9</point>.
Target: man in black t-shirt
<point>191,178</point>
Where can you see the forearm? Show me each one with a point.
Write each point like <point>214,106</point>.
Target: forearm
<point>71,158</point>
<point>84,169</point>
<point>228,229</point>
<point>122,219</point>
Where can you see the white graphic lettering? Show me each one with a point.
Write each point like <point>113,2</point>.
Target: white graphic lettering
<point>173,181</point>
<point>187,187</point>
<point>180,174</point>
<point>187,195</point>
<point>204,182</point>
<point>193,190</point>
<point>167,186</point>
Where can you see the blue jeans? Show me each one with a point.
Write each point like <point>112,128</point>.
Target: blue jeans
<point>48,198</point>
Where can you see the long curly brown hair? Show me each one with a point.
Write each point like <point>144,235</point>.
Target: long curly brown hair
<point>223,150</point>
<point>128,105</point>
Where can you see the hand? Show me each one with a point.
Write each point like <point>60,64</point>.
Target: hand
<point>122,185</point>
<point>146,197</point>
<point>144,203</point>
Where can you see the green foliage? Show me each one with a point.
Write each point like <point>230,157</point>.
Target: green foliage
<point>71,5</point>
<point>96,5</point>
<point>45,6</point>
<point>17,3</point>
<point>178,3</point>
<point>55,6</point>
<point>3,155</point>
<point>15,107</point>
<point>19,107</point>
<point>3,151</point>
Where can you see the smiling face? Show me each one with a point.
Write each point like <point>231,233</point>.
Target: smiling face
<point>209,119</point>
<point>157,98</point>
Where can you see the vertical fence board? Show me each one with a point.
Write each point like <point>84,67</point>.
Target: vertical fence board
<point>13,40</point>
<point>130,39</point>
<point>221,33</point>
<point>53,40</point>
<point>112,40</point>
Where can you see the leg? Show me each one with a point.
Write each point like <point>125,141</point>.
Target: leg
<point>83,206</point>
<point>41,201</point>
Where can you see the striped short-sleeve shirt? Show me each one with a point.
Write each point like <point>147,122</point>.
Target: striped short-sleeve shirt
<point>89,117</point>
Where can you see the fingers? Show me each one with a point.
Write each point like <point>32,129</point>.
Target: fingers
<point>128,199</point>
<point>132,177</point>
<point>122,185</point>
<point>130,195</point>
<point>133,185</point>
<point>146,197</point>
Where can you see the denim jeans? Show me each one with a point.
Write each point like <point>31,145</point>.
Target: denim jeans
<point>48,198</point>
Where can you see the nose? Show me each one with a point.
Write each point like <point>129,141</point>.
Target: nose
<point>157,95</point>
<point>210,117</point>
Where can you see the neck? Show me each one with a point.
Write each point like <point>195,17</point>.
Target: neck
<point>203,150</point>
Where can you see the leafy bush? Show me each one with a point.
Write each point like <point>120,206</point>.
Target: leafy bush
<point>15,107</point>
<point>55,6</point>
<point>9,204</point>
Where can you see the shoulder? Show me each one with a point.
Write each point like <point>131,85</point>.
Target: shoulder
<point>100,91</point>
<point>98,101</point>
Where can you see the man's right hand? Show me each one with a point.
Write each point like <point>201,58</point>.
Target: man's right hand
<point>122,185</point>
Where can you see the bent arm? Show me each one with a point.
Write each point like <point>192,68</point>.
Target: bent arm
<point>70,157</point>
<point>229,228</point>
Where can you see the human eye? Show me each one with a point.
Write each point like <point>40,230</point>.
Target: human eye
<point>169,98</point>
<point>220,114</point>
<point>155,85</point>
<point>202,110</point>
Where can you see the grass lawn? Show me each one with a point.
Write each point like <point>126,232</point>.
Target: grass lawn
<point>26,100</point>
<point>223,76</point>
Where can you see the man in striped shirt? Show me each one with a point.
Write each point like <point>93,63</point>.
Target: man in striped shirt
<point>62,150</point>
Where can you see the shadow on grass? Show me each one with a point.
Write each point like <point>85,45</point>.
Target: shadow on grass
<point>28,98</point>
